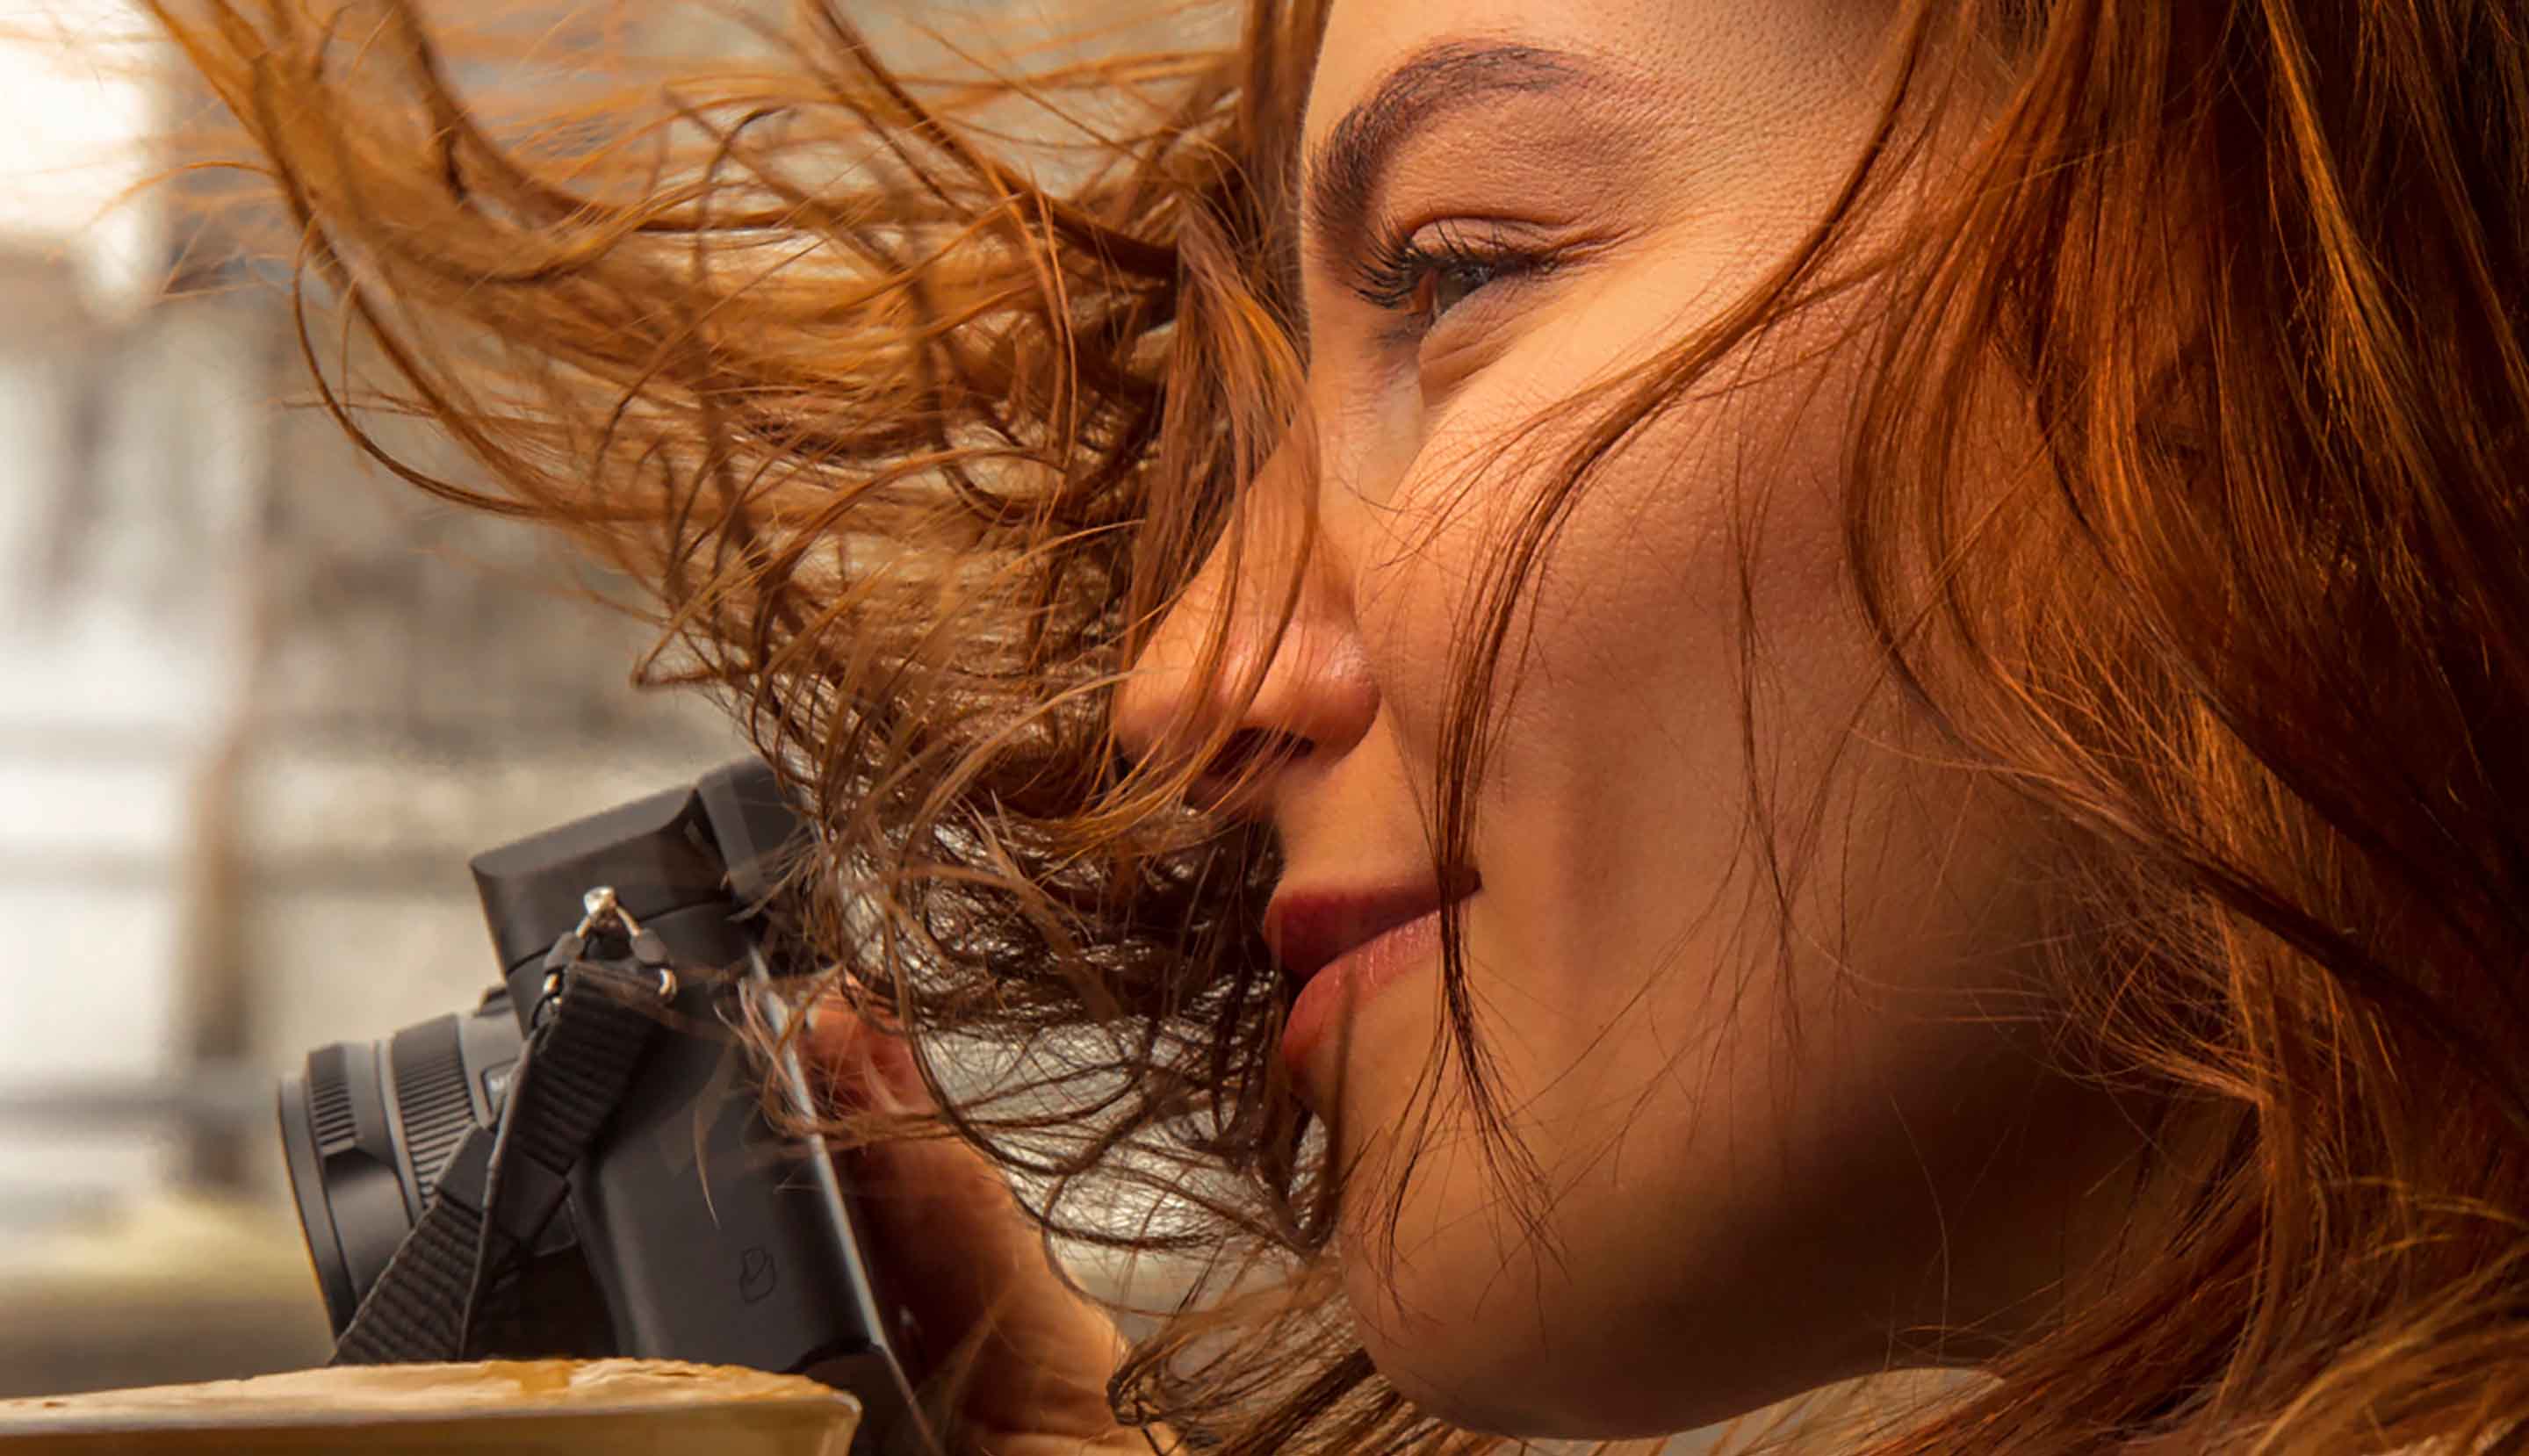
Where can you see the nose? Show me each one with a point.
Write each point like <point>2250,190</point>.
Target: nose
<point>1315,697</point>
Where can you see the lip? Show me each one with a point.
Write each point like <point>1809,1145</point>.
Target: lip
<point>1307,929</point>
<point>1343,944</point>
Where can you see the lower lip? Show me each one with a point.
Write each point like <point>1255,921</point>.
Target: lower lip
<point>1350,980</point>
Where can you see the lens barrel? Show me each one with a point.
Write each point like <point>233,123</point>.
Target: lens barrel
<point>368,1127</point>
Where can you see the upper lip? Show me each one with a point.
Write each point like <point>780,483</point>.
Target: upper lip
<point>1308,927</point>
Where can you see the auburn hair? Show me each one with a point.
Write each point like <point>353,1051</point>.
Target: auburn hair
<point>915,400</point>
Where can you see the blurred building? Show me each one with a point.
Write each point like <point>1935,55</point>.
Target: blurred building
<point>258,705</point>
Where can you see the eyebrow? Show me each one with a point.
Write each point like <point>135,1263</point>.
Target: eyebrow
<point>1339,178</point>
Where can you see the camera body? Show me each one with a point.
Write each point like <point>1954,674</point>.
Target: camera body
<point>692,1230</point>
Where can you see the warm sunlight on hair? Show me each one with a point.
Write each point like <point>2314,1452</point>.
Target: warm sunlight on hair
<point>1618,708</point>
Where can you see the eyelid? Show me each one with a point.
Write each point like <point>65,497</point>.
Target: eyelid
<point>1395,264</point>
<point>1504,291</point>
<point>1467,336</point>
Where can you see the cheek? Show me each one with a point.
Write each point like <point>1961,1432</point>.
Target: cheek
<point>1620,957</point>
<point>1634,601</point>
<point>1636,746</point>
<point>1623,650</point>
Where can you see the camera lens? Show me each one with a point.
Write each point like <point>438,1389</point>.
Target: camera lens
<point>369,1126</point>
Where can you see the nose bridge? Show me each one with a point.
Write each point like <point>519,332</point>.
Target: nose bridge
<point>1315,698</point>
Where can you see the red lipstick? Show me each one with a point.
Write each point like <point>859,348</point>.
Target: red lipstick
<point>1344,945</point>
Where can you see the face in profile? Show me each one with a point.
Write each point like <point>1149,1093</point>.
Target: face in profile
<point>1751,1154</point>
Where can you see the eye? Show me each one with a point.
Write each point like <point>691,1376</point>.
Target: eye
<point>1424,275</point>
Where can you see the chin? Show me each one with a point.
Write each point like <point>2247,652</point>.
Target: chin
<point>1495,1362</point>
<point>1505,1346</point>
<point>1426,1375</point>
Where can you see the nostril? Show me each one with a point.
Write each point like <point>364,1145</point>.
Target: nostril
<point>1239,762</point>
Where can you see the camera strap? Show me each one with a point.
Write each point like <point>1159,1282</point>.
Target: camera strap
<point>587,1036</point>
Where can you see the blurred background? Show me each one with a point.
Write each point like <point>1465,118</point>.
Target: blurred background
<point>258,705</point>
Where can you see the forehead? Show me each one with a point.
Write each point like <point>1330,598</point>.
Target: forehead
<point>1732,77</point>
<point>1365,39</point>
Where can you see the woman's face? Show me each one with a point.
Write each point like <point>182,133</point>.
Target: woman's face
<point>1768,1155</point>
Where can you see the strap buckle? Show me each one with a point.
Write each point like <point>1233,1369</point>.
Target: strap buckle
<point>605,912</point>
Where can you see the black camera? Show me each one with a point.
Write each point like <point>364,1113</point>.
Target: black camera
<point>689,1229</point>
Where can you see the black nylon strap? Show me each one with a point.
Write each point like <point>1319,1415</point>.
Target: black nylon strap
<point>573,1070</point>
<point>413,1311</point>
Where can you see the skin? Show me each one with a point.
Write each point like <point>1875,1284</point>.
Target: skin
<point>1755,1178</point>
<point>974,1273</point>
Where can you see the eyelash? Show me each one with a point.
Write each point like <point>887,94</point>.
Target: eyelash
<point>1393,272</point>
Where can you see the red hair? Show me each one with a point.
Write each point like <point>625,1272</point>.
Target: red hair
<point>914,449</point>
